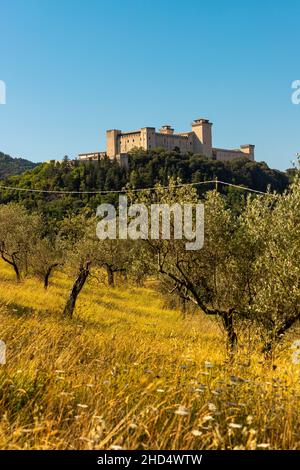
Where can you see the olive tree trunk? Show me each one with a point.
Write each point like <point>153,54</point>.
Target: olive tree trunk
<point>110,275</point>
<point>12,262</point>
<point>229,327</point>
<point>82,276</point>
<point>48,274</point>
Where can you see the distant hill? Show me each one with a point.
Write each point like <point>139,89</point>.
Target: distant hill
<point>14,166</point>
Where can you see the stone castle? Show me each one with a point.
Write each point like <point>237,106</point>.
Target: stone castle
<point>198,141</point>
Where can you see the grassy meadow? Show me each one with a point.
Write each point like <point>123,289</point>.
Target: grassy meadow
<point>130,372</point>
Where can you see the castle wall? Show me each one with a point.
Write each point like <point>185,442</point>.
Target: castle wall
<point>91,155</point>
<point>170,141</point>
<point>128,141</point>
<point>225,155</point>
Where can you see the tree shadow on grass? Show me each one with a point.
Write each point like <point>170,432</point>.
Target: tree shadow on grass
<point>18,310</point>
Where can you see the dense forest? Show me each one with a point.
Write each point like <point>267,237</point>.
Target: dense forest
<point>13,166</point>
<point>145,169</point>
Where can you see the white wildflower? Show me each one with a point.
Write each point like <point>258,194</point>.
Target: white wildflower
<point>207,418</point>
<point>212,407</point>
<point>133,426</point>
<point>208,365</point>
<point>263,445</point>
<point>196,433</point>
<point>235,426</point>
<point>182,411</point>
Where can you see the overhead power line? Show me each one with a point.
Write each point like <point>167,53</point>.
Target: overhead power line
<point>124,191</point>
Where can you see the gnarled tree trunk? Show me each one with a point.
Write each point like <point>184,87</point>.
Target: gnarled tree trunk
<point>278,333</point>
<point>110,275</point>
<point>228,325</point>
<point>83,273</point>
<point>14,265</point>
<point>48,273</point>
<point>227,318</point>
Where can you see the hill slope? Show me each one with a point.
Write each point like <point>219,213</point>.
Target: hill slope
<point>14,166</point>
<point>145,170</point>
<point>128,371</point>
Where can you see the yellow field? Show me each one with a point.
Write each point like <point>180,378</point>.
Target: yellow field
<point>127,372</point>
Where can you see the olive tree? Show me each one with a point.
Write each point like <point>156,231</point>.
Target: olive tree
<point>115,256</point>
<point>216,278</point>
<point>248,267</point>
<point>19,232</point>
<point>46,256</point>
<point>276,303</point>
<point>78,240</point>
<point>84,252</point>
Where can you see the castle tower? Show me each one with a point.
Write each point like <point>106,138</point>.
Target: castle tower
<point>248,150</point>
<point>112,142</point>
<point>166,129</point>
<point>148,140</point>
<point>202,137</point>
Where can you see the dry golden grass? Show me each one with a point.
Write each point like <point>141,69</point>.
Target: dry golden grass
<point>128,372</point>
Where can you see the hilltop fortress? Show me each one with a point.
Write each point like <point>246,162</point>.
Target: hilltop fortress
<point>198,141</point>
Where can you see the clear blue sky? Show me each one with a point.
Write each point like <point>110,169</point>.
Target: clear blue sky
<point>75,68</point>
